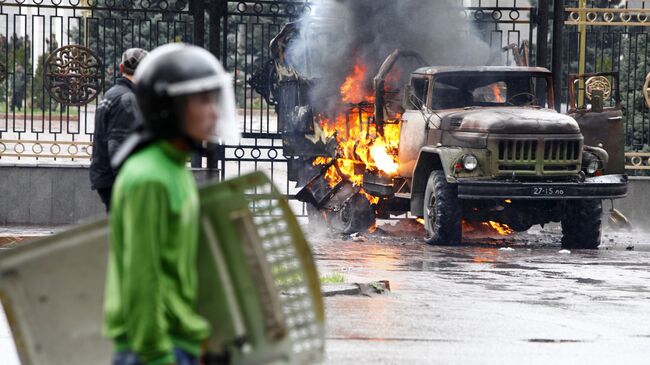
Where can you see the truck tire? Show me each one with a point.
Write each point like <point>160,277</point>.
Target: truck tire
<point>581,226</point>
<point>442,211</point>
<point>356,215</point>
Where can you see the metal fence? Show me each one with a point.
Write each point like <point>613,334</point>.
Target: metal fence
<point>37,124</point>
<point>603,36</point>
<point>46,116</point>
<point>250,26</point>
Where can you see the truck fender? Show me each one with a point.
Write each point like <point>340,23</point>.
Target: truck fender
<point>430,159</point>
<point>601,153</point>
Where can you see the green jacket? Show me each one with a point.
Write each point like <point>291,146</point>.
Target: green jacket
<point>151,288</point>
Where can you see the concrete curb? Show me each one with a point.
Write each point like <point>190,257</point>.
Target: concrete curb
<point>356,289</point>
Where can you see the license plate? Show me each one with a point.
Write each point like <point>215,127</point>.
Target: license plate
<point>547,191</point>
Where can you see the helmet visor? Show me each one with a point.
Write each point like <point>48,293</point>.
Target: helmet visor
<point>216,94</point>
<point>226,129</point>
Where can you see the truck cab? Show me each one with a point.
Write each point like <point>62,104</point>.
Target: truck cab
<point>481,143</point>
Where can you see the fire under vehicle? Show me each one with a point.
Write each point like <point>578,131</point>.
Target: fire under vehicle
<point>451,145</point>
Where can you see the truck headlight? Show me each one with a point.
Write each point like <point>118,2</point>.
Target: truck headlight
<point>470,162</point>
<point>592,166</point>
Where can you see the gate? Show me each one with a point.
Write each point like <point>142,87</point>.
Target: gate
<point>605,36</point>
<point>42,119</point>
<point>248,29</point>
<point>47,115</point>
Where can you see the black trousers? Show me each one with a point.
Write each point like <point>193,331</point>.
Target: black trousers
<point>105,195</point>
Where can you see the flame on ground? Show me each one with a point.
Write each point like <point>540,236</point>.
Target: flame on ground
<point>486,228</point>
<point>500,228</point>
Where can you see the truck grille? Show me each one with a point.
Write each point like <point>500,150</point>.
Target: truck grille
<point>539,156</point>
<point>518,151</point>
<point>558,151</point>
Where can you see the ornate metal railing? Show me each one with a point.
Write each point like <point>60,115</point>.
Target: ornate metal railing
<point>610,36</point>
<point>58,57</point>
<point>66,150</point>
<point>637,161</point>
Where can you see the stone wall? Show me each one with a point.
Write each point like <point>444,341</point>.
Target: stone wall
<point>51,195</point>
<point>60,194</point>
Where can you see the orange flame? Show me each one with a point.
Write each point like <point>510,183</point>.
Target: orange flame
<point>486,228</point>
<point>500,228</point>
<point>353,89</point>
<point>360,145</point>
<point>496,91</point>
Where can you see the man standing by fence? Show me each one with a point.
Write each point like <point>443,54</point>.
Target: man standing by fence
<point>115,117</point>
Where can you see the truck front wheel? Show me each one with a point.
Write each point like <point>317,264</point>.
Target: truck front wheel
<point>581,225</point>
<point>442,211</point>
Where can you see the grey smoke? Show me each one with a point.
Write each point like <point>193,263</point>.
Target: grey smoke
<point>371,29</point>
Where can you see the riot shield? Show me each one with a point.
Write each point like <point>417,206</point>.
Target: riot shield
<point>259,286</point>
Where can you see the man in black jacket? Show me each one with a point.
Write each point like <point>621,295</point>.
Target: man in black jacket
<point>115,117</point>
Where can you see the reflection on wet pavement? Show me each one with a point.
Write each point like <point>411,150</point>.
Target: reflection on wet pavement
<point>496,300</point>
<point>478,304</point>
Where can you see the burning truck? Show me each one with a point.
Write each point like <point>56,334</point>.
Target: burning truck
<point>448,145</point>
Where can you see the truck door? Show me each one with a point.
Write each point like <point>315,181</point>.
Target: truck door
<point>595,103</point>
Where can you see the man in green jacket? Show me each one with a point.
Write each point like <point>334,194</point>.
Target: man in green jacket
<point>186,99</point>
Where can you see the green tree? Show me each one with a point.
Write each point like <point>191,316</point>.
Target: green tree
<point>110,32</point>
<point>17,53</point>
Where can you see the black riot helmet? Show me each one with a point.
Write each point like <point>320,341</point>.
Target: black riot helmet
<point>163,81</point>
<point>174,71</point>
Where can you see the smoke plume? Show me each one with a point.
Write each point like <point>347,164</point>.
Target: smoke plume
<point>367,31</point>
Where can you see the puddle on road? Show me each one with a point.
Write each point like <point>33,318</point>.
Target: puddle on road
<point>532,272</point>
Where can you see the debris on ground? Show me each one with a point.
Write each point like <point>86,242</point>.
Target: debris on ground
<point>400,228</point>
<point>357,289</point>
<point>357,237</point>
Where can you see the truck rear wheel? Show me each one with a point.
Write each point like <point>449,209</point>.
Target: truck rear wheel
<point>581,226</point>
<point>442,211</point>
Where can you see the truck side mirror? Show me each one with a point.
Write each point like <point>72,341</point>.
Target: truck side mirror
<point>407,102</point>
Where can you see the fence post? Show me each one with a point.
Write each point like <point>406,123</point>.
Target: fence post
<point>542,33</point>
<point>541,50</point>
<point>558,25</point>
<point>217,12</point>
<point>197,7</point>
<point>582,30</point>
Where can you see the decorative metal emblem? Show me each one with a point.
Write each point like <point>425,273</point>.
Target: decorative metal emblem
<point>598,83</point>
<point>73,75</point>
<point>646,90</point>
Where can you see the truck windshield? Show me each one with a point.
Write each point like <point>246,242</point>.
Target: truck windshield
<point>489,89</point>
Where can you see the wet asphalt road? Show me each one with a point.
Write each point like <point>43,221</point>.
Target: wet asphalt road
<point>514,300</point>
<point>507,301</point>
